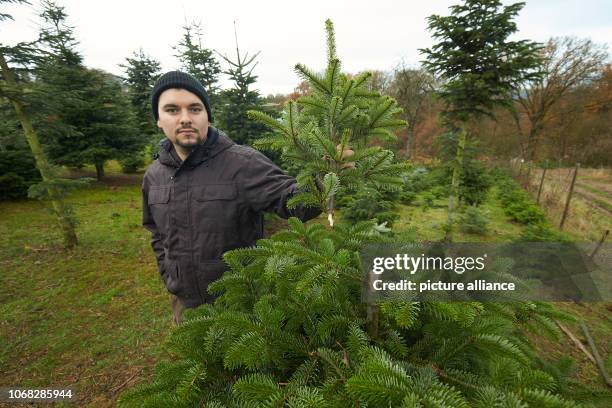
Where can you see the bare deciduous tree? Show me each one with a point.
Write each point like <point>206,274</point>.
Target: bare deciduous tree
<point>568,63</point>
<point>413,89</point>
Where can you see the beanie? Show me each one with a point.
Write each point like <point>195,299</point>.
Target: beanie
<point>180,80</point>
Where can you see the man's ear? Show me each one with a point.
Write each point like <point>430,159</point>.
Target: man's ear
<point>158,125</point>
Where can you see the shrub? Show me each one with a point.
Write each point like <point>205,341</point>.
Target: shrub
<point>407,197</point>
<point>542,233</point>
<point>427,200</point>
<point>439,192</point>
<point>132,163</point>
<point>368,204</point>
<point>473,221</point>
<point>518,205</point>
<point>17,173</point>
<point>525,213</point>
<point>12,186</point>
<point>475,183</point>
<point>422,179</point>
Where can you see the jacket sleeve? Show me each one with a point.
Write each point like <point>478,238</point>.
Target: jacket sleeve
<point>149,223</point>
<point>267,188</point>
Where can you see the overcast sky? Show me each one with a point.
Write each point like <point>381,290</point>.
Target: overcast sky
<point>372,34</point>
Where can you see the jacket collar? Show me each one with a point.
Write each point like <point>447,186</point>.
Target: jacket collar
<point>215,143</point>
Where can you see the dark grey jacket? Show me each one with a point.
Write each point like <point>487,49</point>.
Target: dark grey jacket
<point>210,203</point>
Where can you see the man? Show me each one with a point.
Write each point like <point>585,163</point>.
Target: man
<point>204,195</point>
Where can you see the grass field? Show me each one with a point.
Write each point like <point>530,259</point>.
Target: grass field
<point>94,318</point>
<point>590,212</point>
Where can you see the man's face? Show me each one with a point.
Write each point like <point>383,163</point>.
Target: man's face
<point>182,117</point>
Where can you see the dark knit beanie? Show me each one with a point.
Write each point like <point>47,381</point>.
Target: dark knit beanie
<point>180,80</point>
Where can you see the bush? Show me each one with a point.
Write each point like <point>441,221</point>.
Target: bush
<point>525,213</point>
<point>132,163</point>
<point>473,221</point>
<point>439,192</point>
<point>422,179</point>
<point>17,173</point>
<point>542,233</point>
<point>427,200</point>
<point>475,183</point>
<point>12,186</point>
<point>407,197</point>
<point>368,204</point>
<point>518,205</point>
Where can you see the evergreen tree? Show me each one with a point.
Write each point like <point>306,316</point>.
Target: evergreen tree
<point>475,179</point>
<point>94,120</point>
<point>479,65</point>
<point>237,101</point>
<point>199,61</point>
<point>339,114</point>
<point>17,165</point>
<point>141,73</point>
<point>104,123</point>
<point>14,87</point>
<point>290,328</point>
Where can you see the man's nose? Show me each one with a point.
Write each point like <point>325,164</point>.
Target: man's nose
<point>185,119</point>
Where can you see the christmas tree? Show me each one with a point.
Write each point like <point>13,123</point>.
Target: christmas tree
<point>290,328</point>
<point>480,67</point>
<point>238,100</point>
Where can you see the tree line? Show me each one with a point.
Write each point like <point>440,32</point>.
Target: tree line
<point>86,116</point>
<point>560,117</point>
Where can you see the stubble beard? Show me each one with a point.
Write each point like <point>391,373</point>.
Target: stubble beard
<point>190,143</point>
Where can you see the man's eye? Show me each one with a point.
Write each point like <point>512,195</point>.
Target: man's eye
<point>196,109</point>
<point>170,110</point>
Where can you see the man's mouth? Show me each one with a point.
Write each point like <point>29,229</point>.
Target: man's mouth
<point>187,131</point>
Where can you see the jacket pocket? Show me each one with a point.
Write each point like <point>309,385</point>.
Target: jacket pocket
<point>171,277</point>
<point>159,196</point>
<point>158,199</point>
<point>214,192</point>
<point>215,207</point>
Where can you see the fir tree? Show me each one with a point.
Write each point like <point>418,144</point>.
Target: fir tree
<point>94,120</point>
<point>141,73</point>
<point>338,114</point>
<point>479,65</point>
<point>199,61</point>
<point>14,87</point>
<point>237,101</point>
<point>17,165</point>
<point>104,124</point>
<point>289,328</point>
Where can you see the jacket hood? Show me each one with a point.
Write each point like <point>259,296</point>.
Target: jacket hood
<point>215,143</point>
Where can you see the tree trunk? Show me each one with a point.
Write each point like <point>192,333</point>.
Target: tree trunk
<point>99,170</point>
<point>454,195</point>
<point>42,164</point>
<point>410,142</point>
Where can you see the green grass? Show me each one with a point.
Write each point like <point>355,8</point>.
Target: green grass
<point>429,223</point>
<point>603,198</point>
<point>602,193</point>
<point>87,318</point>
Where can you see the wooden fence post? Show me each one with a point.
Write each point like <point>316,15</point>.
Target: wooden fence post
<point>542,183</point>
<point>528,176</point>
<point>569,197</point>
<point>520,169</point>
